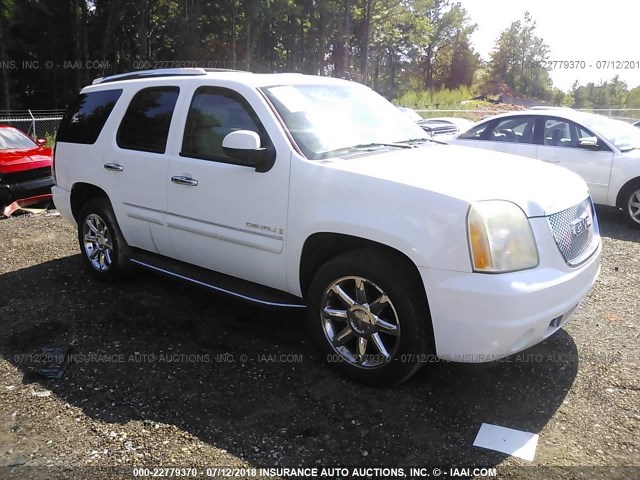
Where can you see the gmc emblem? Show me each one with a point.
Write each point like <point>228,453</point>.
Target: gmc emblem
<point>581,224</point>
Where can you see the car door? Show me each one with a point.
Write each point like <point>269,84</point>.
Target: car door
<point>560,146</point>
<point>513,134</point>
<point>134,167</point>
<point>224,216</point>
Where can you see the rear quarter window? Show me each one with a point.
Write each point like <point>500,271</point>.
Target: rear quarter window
<point>85,117</point>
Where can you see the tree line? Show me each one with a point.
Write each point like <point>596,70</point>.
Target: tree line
<point>49,50</point>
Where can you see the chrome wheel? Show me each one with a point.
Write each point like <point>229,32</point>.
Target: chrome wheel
<point>98,245</point>
<point>360,322</point>
<point>633,206</point>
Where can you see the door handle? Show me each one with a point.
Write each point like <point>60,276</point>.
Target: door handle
<point>113,167</point>
<point>182,180</point>
<point>551,161</point>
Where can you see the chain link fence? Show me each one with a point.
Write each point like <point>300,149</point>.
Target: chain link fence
<point>630,115</point>
<point>35,123</point>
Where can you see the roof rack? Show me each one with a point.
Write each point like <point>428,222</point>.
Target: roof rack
<point>161,72</point>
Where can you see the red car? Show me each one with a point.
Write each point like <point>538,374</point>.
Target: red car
<point>25,170</point>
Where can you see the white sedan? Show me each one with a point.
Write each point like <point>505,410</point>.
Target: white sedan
<point>605,152</point>
<point>437,126</point>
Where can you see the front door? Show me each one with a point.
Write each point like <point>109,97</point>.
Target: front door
<point>560,146</point>
<point>225,217</point>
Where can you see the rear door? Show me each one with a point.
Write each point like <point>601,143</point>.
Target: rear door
<point>514,134</point>
<point>115,139</point>
<point>134,167</point>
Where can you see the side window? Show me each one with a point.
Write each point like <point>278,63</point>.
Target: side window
<point>474,133</point>
<point>557,133</point>
<point>582,133</point>
<point>145,125</point>
<point>563,133</point>
<point>85,117</point>
<point>213,114</point>
<point>513,130</point>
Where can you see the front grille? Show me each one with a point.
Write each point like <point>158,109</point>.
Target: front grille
<point>574,231</point>
<point>19,177</point>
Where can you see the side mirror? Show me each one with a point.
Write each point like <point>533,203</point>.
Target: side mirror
<point>41,142</point>
<point>244,147</point>
<point>589,143</point>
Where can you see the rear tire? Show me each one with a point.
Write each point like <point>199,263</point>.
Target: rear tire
<point>631,204</point>
<point>369,315</point>
<point>104,250</point>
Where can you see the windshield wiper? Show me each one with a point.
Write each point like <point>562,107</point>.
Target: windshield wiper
<point>422,140</point>
<point>362,146</point>
<point>378,144</point>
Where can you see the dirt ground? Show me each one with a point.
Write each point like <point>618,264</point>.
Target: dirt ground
<point>164,374</point>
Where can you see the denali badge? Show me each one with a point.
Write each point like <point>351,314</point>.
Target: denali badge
<point>581,224</point>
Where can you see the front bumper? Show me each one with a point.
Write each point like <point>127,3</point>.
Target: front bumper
<point>481,318</point>
<point>22,190</point>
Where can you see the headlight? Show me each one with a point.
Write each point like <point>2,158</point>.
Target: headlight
<point>500,238</point>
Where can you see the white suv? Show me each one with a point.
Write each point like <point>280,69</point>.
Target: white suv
<point>302,191</point>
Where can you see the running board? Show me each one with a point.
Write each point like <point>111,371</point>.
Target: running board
<point>218,282</point>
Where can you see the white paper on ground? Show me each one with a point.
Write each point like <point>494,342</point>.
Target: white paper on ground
<point>506,440</point>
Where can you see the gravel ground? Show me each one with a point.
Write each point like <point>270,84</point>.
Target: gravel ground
<point>168,375</point>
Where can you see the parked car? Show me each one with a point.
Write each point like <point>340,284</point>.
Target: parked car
<point>301,191</point>
<point>25,170</point>
<point>438,125</point>
<point>605,152</point>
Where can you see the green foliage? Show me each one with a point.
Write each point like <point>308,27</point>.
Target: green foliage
<point>633,98</point>
<point>519,60</point>
<point>442,99</point>
<point>51,139</point>
<point>396,47</point>
<point>612,94</point>
<point>390,45</point>
<point>558,97</point>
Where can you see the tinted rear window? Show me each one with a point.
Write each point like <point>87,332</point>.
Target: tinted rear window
<point>146,124</point>
<point>84,119</point>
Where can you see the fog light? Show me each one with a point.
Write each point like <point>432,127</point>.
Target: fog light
<point>555,323</point>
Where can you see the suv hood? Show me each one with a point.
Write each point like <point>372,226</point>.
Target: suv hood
<point>472,174</point>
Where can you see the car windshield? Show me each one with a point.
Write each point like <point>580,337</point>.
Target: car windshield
<point>621,134</point>
<point>329,120</point>
<point>411,114</point>
<point>12,139</point>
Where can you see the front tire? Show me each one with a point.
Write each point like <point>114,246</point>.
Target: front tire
<point>104,250</point>
<point>631,204</point>
<point>369,316</point>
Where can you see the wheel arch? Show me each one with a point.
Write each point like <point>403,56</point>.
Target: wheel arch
<point>321,247</point>
<point>81,193</point>
<point>622,192</point>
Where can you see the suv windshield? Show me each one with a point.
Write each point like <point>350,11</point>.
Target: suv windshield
<point>621,134</point>
<point>329,120</point>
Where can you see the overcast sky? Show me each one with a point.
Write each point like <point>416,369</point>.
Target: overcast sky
<point>573,30</point>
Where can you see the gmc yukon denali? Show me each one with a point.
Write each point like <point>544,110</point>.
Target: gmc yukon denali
<point>311,192</point>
